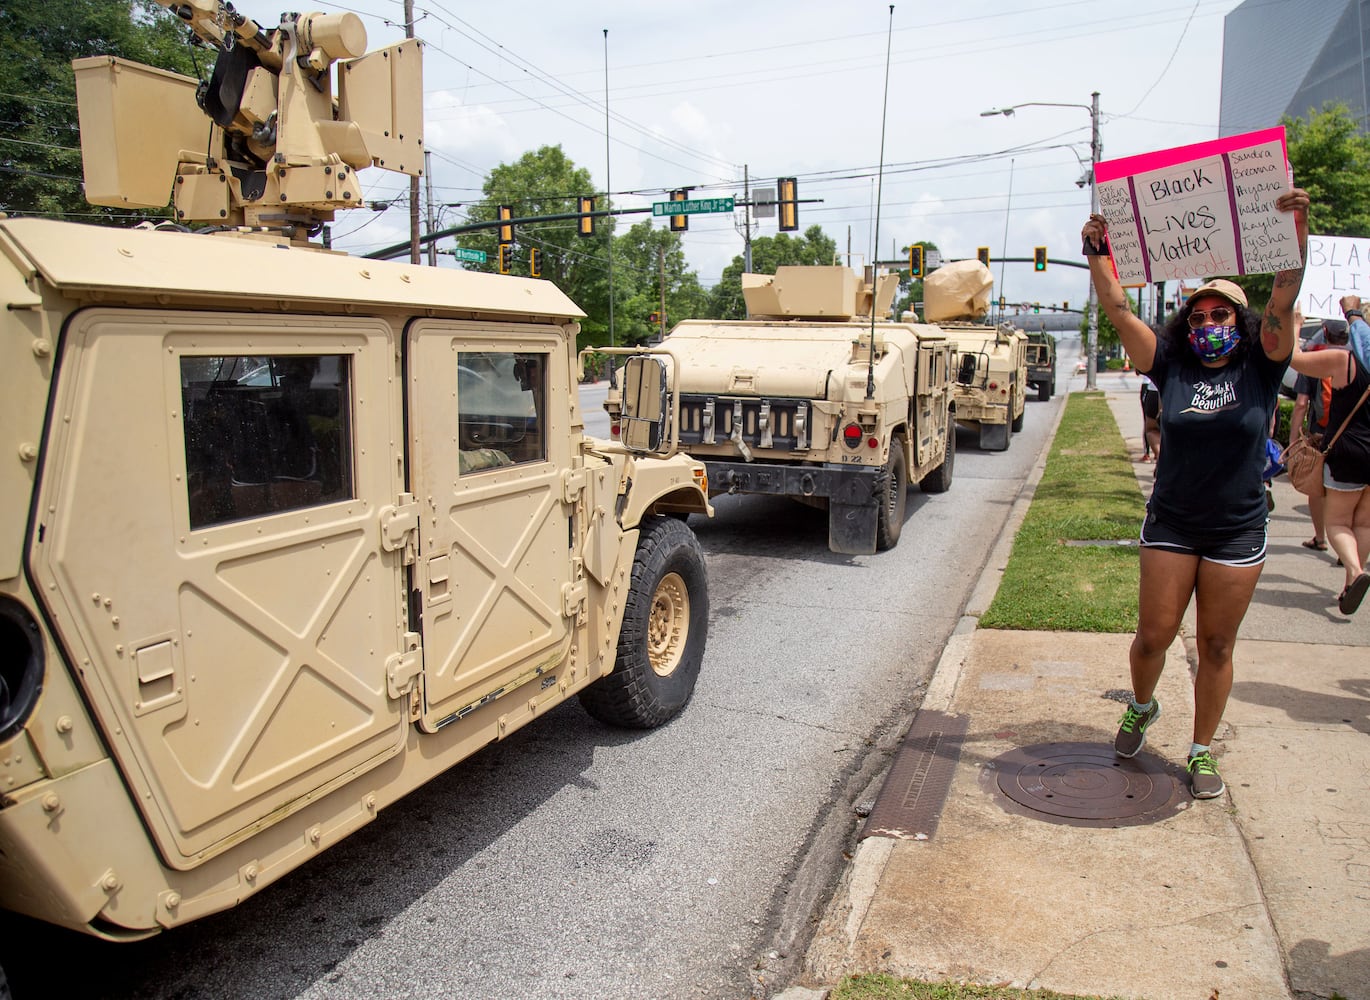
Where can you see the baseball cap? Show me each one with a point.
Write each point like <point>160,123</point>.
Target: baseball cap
<point>1335,329</point>
<point>1221,286</point>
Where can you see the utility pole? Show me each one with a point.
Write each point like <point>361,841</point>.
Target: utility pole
<point>413,181</point>
<point>747,226</point>
<point>432,218</point>
<point>661,260</point>
<point>608,189</point>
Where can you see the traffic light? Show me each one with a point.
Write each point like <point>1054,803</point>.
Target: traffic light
<point>654,318</point>
<point>679,223</point>
<point>1039,259</point>
<point>586,223</point>
<point>1036,307</point>
<point>983,255</point>
<point>1065,307</point>
<point>506,229</point>
<point>535,262</point>
<point>504,251</point>
<point>1002,303</point>
<point>787,191</point>
<point>915,262</point>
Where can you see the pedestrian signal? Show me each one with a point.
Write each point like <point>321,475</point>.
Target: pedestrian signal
<point>982,254</point>
<point>585,225</point>
<point>915,262</point>
<point>506,229</point>
<point>1039,259</point>
<point>787,189</point>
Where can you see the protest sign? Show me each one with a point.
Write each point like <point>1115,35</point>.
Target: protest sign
<point>1200,210</point>
<point>1337,266</point>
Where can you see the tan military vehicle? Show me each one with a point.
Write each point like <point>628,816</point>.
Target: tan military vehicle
<point>991,365</point>
<point>1041,364</point>
<point>284,534</point>
<point>796,401</point>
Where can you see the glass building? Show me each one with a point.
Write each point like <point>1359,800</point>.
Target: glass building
<point>1285,58</point>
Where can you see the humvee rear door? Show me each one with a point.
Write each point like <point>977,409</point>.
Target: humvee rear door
<point>209,545</point>
<point>489,442</point>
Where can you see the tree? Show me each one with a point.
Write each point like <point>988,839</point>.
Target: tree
<point>646,259</point>
<point>1108,333</point>
<point>547,182</point>
<point>40,156</point>
<point>768,253</point>
<point>1330,158</point>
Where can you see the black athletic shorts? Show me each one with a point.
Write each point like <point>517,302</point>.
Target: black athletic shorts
<point>1151,402</point>
<point>1240,548</point>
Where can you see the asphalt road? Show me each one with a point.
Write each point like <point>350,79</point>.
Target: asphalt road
<point>577,861</point>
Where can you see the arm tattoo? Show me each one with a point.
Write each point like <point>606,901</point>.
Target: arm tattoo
<point>1270,329</point>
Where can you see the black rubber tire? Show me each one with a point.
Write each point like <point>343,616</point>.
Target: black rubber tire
<point>1018,420</point>
<point>668,572</point>
<point>939,479</point>
<point>1043,391</point>
<point>895,501</point>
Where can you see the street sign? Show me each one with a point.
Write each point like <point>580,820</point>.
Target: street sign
<point>471,256</point>
<point>932,259</point>
<point>696,206</point>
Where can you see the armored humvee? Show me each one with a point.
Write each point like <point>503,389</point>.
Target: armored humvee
<point>991,362</point>
<point>809,398</point>
<point>283,533</point>
<point>991,379</point>
<point>1041,364</point>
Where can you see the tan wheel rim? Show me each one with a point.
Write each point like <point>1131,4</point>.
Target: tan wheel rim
<point>668,626</point>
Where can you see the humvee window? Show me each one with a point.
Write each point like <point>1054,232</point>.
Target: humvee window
<point>501,399</point>
<point>265,434</point>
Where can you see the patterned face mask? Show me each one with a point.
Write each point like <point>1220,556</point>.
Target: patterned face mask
<point>1213,342</point>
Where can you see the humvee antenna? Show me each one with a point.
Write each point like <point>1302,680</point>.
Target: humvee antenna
<point>879,190</point>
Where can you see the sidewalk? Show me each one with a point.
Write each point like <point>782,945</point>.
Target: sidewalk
<point>1101,878</point>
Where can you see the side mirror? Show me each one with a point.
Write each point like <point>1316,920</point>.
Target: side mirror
<point>642,423</point>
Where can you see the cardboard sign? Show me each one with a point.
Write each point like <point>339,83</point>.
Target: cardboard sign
<point>1337,266</point>
<point>1200,210</point>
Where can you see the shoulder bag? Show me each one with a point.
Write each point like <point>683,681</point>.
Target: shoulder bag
<point>1304,458</point>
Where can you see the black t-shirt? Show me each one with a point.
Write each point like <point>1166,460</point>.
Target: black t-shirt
<point>1214,425</point>
<point>1349,459</point>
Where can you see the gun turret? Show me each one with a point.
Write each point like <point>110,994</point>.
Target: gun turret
<point>279,154</point>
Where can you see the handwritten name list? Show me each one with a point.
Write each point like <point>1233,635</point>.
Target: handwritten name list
<point>1200,210</point>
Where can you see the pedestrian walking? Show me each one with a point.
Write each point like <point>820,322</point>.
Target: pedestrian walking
<point>1151,420</point>
<point>1218,367</point>
<point>1309,419</point>
<point>1346,472</point>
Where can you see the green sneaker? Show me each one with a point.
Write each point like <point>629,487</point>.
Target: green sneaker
<point>1132,729</point>
<point>1204,780</point>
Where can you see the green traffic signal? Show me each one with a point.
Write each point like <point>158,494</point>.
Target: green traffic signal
<point>1039,259</point>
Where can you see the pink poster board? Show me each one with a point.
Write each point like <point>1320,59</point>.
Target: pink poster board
<point>1201,210</point>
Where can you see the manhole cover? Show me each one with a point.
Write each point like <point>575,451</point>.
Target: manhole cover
<point>1085,784</point>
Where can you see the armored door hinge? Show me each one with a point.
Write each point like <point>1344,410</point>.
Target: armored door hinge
<point>573,597</point>
<point>573,484</point>
<point>401,669</point>
<point>399,523</point>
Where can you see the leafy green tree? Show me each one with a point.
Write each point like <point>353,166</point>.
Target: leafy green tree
<point>542,182</point>
<point>646,259</point>
<point>768,253</point>
<point>1330,158</point>
<point>1108,333</point>
<point>40,156</point>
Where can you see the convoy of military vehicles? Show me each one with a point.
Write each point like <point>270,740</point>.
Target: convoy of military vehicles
<point>285,534</point>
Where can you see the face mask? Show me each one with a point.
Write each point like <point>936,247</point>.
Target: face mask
<point>1213,342</point>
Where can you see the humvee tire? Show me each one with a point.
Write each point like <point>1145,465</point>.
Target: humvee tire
<point>1044,391</point>
<point>939,479</point>
<point>665,621</point>
<point>892,505</point>
<point>1018,420</point>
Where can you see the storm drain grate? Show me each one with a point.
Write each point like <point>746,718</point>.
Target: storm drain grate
<point>1086,784</point>
<point>910,802</point>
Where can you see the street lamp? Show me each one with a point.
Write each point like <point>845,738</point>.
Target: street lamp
<point>1095,149</point>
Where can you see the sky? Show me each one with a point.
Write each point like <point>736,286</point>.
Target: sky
<point>703,94</point>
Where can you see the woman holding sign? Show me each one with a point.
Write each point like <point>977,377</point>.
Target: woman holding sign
<point>1218,367</point>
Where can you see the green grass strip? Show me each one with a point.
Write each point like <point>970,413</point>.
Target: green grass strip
<point>1088,492</point>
